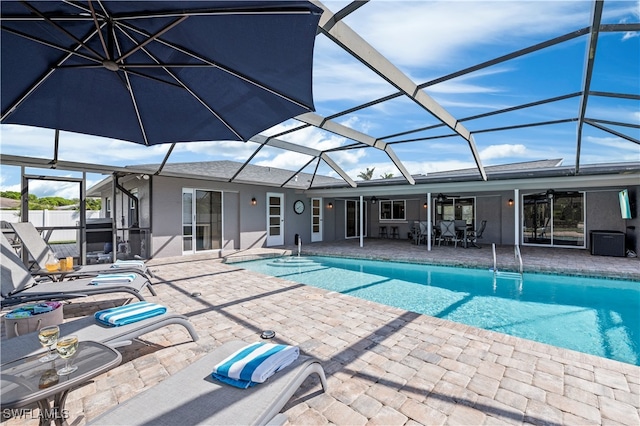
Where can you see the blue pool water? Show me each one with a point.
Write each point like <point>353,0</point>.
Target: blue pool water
<point>595,316</point>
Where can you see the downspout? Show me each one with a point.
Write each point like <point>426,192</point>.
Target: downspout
<point>83,221</point>
<point>114,214</point>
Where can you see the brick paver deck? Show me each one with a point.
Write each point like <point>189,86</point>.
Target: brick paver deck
<point>385,366</point>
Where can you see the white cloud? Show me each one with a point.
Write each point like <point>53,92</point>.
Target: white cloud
<point>317,139</point>
<point>50,188</point>
<point>39,143</point>
<point>441,40</point>
<point>234,150</point>
<point>503,151</point>
<point>336,80</point>
<point>616,143</point>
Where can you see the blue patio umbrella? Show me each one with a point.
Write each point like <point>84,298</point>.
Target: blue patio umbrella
<point>155,72</point>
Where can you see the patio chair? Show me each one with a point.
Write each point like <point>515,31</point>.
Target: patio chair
<point>475,235</point>
<point>19,286</point>
<point>448,232</point>
<point>423,234</point>
<point>40,251</point>
<point>87,328</point>
<point>192,397</point>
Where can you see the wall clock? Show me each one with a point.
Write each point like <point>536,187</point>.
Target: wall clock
<point>298,207</point>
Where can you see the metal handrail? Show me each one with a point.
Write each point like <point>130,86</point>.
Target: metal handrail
<point>493,248</point>
<point>518,256</point>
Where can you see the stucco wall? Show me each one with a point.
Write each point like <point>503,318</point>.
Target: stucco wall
<point>244,224</point>
<point>500,219</point>
<point>603,213</point>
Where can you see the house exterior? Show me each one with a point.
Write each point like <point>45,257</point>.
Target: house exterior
<point>224,205</point>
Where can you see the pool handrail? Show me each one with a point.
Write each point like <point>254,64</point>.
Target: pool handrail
<point>518,255</point>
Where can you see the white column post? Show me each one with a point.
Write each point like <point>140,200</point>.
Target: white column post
<point>429,227</point>
<point>516,215</point>
<point>361,221</point>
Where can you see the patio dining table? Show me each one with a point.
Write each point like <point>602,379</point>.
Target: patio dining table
<point>462,230</point>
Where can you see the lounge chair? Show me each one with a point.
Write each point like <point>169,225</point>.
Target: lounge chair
<point>19,286</point>
<point>40,251</point>
<point>192,397</point>
<point>87,328</point>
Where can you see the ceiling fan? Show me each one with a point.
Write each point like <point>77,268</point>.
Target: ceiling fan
<point>441,198</point>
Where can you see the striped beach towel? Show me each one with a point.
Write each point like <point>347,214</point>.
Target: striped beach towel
<point>127,314</point>
<point>128,264</point>
<point>254,364</point>
<point>112,279</point>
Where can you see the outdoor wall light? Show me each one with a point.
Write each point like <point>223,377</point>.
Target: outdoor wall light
<point>510,202</point>
<point>425,205</point>
<point>330,205</point>
<point>373,199</point>
<point>254,201</point>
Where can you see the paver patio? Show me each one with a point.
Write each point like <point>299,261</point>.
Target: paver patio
<point>384,365</point>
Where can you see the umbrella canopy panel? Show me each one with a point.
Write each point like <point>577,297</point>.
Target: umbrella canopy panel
<point>157,72</point>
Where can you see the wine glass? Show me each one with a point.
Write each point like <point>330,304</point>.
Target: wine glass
<point>66,348</point>
<point>48,337</point>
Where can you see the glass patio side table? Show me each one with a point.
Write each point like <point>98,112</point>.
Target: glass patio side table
<point>27,381</point>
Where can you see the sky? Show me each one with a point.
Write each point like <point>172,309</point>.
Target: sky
<point>425,40</point>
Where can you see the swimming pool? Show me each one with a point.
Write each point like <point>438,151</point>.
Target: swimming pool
<point>595,316</point>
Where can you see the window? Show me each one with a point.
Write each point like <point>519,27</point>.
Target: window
<point>392,210</point>
<point>107,207</point>
<point>454,208</point>
<point>133,207</point>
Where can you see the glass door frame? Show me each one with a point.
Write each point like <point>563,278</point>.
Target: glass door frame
<point>316,220</point>
<point>194,224</point>
<point>356,219</point>
<point>537,228</point>
<point>273,216</point>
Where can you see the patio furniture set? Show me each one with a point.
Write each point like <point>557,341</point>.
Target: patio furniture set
<point>448,231</point>
<point>190,396</point>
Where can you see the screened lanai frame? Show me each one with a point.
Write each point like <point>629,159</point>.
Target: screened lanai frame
<point>439,129</point>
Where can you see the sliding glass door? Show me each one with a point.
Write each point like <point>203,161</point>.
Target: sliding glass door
<point>537,219</point>
<point>568,219</point>
<point>201,220</point>
<point>352,219</point>
<point>554,219</point>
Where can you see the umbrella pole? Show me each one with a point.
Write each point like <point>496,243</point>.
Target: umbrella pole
<point>56,142</point>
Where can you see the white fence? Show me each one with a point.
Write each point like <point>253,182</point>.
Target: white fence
<point>52,218</point>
